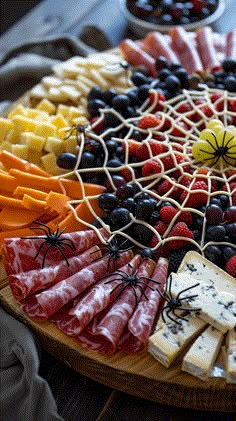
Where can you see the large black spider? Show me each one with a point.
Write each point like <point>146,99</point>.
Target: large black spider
<point>112,248</point>
<point>220,151</point>
<point>132,280</point>
<point>175,303</point>
<point>52,239</point>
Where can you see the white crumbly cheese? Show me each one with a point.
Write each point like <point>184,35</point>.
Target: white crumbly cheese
<point>199,359</point>
<point>218,307</point>
<point>167,343</point>
<point>231,357</point>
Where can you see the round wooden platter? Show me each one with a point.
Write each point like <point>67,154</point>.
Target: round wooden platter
<point>137,374</point>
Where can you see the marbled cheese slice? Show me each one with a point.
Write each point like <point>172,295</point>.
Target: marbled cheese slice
<point>231,357</point>
<point>199,359</point>
<point>167,343</point>
<point>218,308</point>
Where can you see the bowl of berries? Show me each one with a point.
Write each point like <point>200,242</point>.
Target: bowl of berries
<point>162,15</point>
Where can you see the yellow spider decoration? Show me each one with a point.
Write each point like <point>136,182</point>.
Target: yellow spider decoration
<point>216,145</point>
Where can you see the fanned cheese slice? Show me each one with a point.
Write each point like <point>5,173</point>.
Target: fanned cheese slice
<point>167,343</point>
<point>200,358</point>
<point>231,357</point>
<point>218,307</point>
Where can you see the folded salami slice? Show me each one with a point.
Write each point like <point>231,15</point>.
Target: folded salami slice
<point>157,44</point>
<point>19,253</point>
<point>136,56</point>
<point>106,336</point>
<point>187,52</point>
<point>231,44</point>
<point>206,49</point>
<point>41,306</point>
<point>24,284</point>
<point>140,325</point>
<point>97,298</point>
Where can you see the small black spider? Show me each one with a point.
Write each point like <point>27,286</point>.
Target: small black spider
<point>132,280</point>
<point>112,248</point>
<point>123,65</point>
<point>148,253</point>
<point>77,129</point>
<point>175,303</point>
<point>52,239</point>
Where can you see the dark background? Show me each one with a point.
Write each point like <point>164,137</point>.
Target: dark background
<point>13,10</point>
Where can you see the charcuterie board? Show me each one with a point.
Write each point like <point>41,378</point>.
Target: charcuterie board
<point>138,374</point>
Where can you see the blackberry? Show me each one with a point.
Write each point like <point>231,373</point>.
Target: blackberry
<point>175,258</point>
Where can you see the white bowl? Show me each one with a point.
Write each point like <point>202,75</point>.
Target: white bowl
<point>142,28</point>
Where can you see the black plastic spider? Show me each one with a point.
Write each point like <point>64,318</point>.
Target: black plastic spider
<point>175,303</point>
<point>123,65</point>
<point>52,239</point>
<point>112,248</point>
<point>77,129</point>
<point>148,253</point>
<point>220,151</point>
<point>132,280</point>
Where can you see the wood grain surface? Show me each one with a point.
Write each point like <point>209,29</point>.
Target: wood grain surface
<point>139,375</point>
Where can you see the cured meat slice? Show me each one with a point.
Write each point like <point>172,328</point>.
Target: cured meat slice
<point>158,45</point>
<point>206,48</point>
<point>98,297</point>
<point>105,337</point>
<point>19,253</point>
<point>24,284</point>
<point>231,44</point>
<point>140,325</point>
<point>186,50</point>
<point>136,56</point>
<point>41,306</point>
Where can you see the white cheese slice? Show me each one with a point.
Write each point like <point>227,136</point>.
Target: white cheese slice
<point>231,357</point>
<point>199,359</point>
<point>218,307</point>
<point>167,343</point>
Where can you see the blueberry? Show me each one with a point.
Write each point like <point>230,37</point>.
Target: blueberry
<point>114,163</point>
<point>125,191</point>
<point>129,203</point>
<point>120,102</point>
<point>95,93</point>
<point>111,146</point>
<point>229,65</point>
<point>108,96</point>
<point>172,83</point>
<point>143,92</point>
<point>230,83</point>
<point>214,214</point>
<point>228,252</point>
<point>107,201</point>
<point>87,160</point>
<point>67,160</point>
<point>213,253</point>
<point>138,78</point>
<point>94,105</point>
<point>163,73</point>
<point>215,233</point>
<point>144,209</point>
<point>161,63</point>
<point>119,218</point>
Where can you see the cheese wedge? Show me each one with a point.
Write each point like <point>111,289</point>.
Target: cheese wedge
<point>218,307</point>
<point>231,357</point>
<point>198,361</point>
<point>167,342</point>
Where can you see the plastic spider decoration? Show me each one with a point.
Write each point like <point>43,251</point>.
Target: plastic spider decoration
<point>130,280</point>
<point>123,65</point>
<point>77,130</point>
<point>113,249</point>
<point>52,239</point>
<point>148,253</point>
<point>176,303</point>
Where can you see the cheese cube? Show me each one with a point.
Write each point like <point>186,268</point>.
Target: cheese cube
<point>63,110</point>
<point>33,141</point>
<point>5,146</point>
<point>5,126</point>
<point>201,356</point>
<point>59,121</point>
<point>21,151</point>
<point>24,124</point>
<point>71,144</point>
<point>231,357</point>
<point>45,129</point>
<point>18,110</point>
<point>167,343</point>
<point>46,105</point>
<point>49,162</point>
<point>54,144</point>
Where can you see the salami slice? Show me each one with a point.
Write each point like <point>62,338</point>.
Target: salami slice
<point>24,284</point>
<point>157,45</point>
<point>19,253</point>
<point>206,48</point>
<point>231,44</point>
<point>186,50</point>
<point>97,298</point>
<point>108,332</point>
<point>136,56</point>
<point>41,306</point>
<point>141,322</point>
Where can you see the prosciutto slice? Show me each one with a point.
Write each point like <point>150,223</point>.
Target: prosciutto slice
<point>136,56</point>
<point>206,48</point>
<point>157,44</point>
<point>41,306</point>
<point>19,253</point>
<point>231,44</point>
<point>185,48</point>
<point>24,284</point>
<point>98,297</point>
<point>105,337</point>
<point>141,322</point>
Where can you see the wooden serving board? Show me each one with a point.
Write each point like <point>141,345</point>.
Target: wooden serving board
<point>137,374</point>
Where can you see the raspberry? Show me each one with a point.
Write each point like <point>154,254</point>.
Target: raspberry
<point>169,187</point>
<point>185,216</point>
<point>179,230</point>
<point>142,152</point>
<point>167,213</point>
<point>160,227</point>
<point>198,195</point>
<point>127,174</point>
<point>156,98</point>
<point>184,107</point>
<point>180,129</point>
<point>185,180</point>
<point>231,266</point>
<point>149,121</point>
<point>150,168</point>
<point>132,146</point>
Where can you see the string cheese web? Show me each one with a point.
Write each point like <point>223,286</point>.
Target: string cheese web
<point>182,120</point>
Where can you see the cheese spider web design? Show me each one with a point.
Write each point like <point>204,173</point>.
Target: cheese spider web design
<point>181,121</point>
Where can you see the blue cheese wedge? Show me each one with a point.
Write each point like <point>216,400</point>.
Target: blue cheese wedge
<point>167,343</point>
<point>231,357</point>
<point>218,307</point>
<point>199,359</point>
